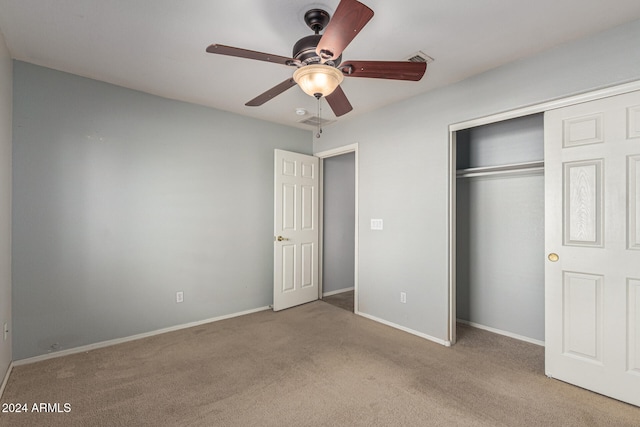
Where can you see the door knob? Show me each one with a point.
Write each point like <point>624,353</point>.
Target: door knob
<point>553,257</point>
<point>280,238</point>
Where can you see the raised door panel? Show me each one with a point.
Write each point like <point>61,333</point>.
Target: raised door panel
<point>582,316</point>
<point>633,122</point>
<point>308,220</point>
<point>583,130</point>
<point>583,203</point>
<point>288,167</point>
<point>308,170</point>
<point>289,204</point>
<point>633,205</point>
<point>307,274</point>
<point>633,322</point>
<point>288,268</point>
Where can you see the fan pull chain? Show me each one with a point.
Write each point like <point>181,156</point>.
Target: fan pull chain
<point>319,119</point>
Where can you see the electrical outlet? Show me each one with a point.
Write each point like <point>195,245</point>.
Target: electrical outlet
<point>179,296</point>
<point>403,297</point>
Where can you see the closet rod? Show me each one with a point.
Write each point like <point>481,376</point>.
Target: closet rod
<point>501,170</point>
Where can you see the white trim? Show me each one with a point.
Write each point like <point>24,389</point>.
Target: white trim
<point>6,379</point>
<point>549,105</point>
<point>451,244</point>
<point>337,151</point>
<point>351,148</point>
<point>506,115</point>
<point>320,227</point>
<point>339,291</point>
<point>405,329</point>
<point>116,341</point>
<point>501,332</point>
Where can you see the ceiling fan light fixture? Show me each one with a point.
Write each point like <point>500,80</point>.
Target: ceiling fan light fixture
<point>318,80</point>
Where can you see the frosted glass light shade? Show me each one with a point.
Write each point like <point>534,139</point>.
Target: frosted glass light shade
<point>318,79</point>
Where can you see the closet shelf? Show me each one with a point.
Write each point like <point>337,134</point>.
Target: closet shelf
<point>501,170</point>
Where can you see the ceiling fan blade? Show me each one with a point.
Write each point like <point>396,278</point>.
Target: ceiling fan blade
<point>250,54</point>
<point>393,70</point>
<point>347,21</point>
<point>271,93</point>
<point>338,102</point>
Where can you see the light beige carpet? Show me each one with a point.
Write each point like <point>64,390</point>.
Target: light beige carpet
<point>343,300</point>
<point>313,365</point>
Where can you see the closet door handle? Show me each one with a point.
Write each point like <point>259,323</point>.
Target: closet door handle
<point>553,257</point>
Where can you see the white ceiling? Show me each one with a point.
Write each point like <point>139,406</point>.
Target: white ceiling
<point>158,46</point>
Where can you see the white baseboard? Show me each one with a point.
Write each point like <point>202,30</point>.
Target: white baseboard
<point>501,332</point>
<point>108,343</point>
<point>405,329</point>
<point>339,291</point>
<point>6,379</point>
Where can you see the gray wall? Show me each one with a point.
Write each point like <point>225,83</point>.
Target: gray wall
<point>122,198</point>
<point>500,229</point>
<point>500,262</point>
<point>5,203</point>
<point>403,157</point>
<point>509,142</point>
<point>338,222</point>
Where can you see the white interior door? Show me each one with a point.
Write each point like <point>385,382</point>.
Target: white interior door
<point>296,236</point>
<point>592,238</point>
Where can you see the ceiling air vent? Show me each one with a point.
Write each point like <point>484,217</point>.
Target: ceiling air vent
<point>420,56</point>
<point>315,121</point>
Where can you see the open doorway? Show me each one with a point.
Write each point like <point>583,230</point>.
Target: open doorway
<point>339,228</point>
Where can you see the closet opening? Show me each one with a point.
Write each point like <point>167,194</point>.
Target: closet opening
<point>499,227</point>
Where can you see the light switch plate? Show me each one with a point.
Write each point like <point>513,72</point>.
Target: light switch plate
<point>376,224</point>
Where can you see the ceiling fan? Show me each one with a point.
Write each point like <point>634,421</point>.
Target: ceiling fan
<point>318,58</point>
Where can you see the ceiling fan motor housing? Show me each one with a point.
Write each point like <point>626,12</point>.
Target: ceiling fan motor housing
<point>305,49</point>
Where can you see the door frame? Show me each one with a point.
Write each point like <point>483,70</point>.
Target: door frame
<point>498,117</point>
<point>351,148</point>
